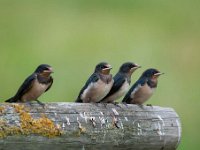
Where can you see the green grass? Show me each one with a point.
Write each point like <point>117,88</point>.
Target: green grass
<point>74,35</point>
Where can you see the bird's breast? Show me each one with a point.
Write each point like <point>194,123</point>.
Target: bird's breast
<point>96,91</point>
<point>143,93</point>
<point>119,93</point>
<point>124,88</point>
<point>36,90</point>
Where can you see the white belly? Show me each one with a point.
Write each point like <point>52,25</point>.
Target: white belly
<point>36,91</point>
<point>96,91</point>
<point>122,91</point>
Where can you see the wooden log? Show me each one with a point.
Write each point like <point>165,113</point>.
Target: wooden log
<point>88,126</point>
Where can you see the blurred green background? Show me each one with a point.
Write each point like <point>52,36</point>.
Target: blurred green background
<point>74,35</point>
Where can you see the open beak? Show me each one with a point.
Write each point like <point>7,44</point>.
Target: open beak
<point>109,67</point>
<point>106,70</point>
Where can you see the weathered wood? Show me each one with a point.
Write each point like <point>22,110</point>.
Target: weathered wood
<point>88,126</point>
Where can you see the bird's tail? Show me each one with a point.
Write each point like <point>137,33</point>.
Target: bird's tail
<point>11,100</point>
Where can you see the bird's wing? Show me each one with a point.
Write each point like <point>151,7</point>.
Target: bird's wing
<point>51,82</point>
<point>25,87</point>
<point>118,82</point>
<point>138,84</point>
<point>93,78</point>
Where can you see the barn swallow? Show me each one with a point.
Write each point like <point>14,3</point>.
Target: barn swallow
<point>121,83</point>
<point>98,85</point>
<point>35,85</point>
<point>144,87</point>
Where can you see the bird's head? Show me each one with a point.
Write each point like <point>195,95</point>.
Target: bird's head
<point>152,73</point>
<point>103,68</point>
<point>44,70</point>
<point>129,67</point>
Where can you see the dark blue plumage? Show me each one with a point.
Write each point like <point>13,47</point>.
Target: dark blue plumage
<point>143,88</point>
<point>121,83</point>
<point>34,86</point>
<point>98,84</point>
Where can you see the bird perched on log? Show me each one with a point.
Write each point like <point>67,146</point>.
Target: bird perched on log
<point>144,87</point>
<point>98,85</point>
<point>121,83</point>
<point>34,86</point>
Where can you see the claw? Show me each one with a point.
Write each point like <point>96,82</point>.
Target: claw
<point>141,106</point>
<point>40,103</point>
<point>125,104</point>
<point>116,104</point>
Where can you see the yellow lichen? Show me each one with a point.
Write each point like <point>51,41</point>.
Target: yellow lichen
<point>82,130</point>
<point>29,125</point>
<point>7,130</point>
<point>2,109</point>
<point>43,126</point>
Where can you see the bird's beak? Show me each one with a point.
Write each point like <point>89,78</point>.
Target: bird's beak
<point>136,67</point>
<point>50,70</point>
<point>158,74</point>
<point>109,67</point>
<point>106,70</point>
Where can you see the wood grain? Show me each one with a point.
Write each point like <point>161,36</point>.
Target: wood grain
<point>88,126</point>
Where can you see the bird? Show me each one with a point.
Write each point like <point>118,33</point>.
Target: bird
<point>98,85</point>
<point>34,86</point>
<point>121,83</point>
<point>143,88</point>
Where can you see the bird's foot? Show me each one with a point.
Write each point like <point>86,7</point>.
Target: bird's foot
<point>125,104</point>
<point>29,103</point>
<point>104,104</point>
<point>40,103</point>
<point>95,103</point>
<point>116,104</point>
<point>141,106</point>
